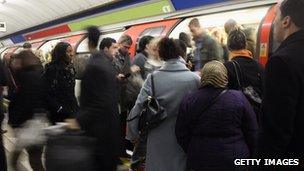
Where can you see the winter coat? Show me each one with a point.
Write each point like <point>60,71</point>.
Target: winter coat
<point>252,73</point>
<point>140,60</point>
<point>214,138</point>
<point>29,96</point>
<point>171,83</point>
<point>98,114</point>
<point>281,133</point>
<point>60,82</point>
<point>207,49</point>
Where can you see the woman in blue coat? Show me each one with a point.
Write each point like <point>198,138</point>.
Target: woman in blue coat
<point>214,136</point>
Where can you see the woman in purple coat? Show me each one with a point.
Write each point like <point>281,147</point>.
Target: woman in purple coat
<point>214,125</point>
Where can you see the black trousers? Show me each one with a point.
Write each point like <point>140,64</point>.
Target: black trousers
<point>3,166</point>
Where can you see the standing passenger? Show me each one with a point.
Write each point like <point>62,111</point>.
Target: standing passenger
<point>98,114</point>
<point>60,82</point>
<point>281,134</point>
<point>142,54</point>
<point>215,126</point>
<point>163,152</point>
<point>243,70</point>
<point>207,48</point>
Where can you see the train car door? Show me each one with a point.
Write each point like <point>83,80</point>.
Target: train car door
<point>265,43</point>
<point>156,29</point>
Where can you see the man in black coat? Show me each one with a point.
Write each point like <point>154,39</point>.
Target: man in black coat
<point>2,84</point>
<point>281,133</point>
<point>98,114</point>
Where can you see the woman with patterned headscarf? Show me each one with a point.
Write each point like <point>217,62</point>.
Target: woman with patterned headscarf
<point>214,125</point>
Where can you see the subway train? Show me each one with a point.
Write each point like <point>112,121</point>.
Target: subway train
<point>257,15</point>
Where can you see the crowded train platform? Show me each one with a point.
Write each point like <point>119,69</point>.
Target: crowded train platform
<point>151,85</point>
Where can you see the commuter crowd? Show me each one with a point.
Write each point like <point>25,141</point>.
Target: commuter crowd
<point>194,103</point>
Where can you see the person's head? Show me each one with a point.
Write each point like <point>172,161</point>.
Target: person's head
<point>184,37</point>
<point>219,35</point>
<point>143,44</point>
<point>93,34</point>
<point>289,19</point>
<point>62,52</point>
<point>214,73</point>
<point>14,62</point>
<point>27,45</point>
<point>27,59</point>
<point>109,47</point>
<point>125,42</point>
<point>236,40</point>
<point>230,25</point>
<point>152,48</point>
<point>168,49</point>
<point>195,28</point>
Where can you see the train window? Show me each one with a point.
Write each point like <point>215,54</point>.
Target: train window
<point>44,52</point>
<point>155,32</point>
<point>6,54</point>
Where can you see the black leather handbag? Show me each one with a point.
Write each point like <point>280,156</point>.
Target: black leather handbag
<point>152,114</point>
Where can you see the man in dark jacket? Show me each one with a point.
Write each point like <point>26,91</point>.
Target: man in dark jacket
<point>2,84</point>
<point>207,48</point>
<point>281,134</point>
<point>98,114</point>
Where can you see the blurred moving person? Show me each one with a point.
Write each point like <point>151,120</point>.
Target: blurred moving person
<point>207,48</point>
<point>163,152</point>
<point>60,81</point>
<point>98,114</point>
<point>243,70</point>
<point>249,32</point>
<point>187,50</point>
<point>214,125</point>
<point>281,133</point>
<point>3,83</point>
<point>29,97</point>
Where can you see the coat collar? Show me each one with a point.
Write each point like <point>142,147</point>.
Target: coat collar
<point>174,65</point>
<point>295,37</point>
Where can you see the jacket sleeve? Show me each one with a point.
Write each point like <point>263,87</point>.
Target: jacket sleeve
<point>49,78</point>
<point>249,125</point>
<point>183,125</point>
<point>132,124</point>
<point>278,109</point>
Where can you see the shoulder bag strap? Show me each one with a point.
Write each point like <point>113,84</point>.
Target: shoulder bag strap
<point>152,85</point>
<point>236,73</point>
<point>211,102</point>
<point>241,73</point>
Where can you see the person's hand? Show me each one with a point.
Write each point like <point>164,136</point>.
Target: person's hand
<point>72,124</point>
<point>120,77</point>
<point>135,68</point>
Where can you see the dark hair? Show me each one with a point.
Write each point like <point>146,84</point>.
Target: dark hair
<point>194,22</point>
<point>126,39</point>
<point>168,49</point>
<point>27,45</point>
<point>28,58</point>
<point>106,43</point>
<point>143,43</point>
<point>59,52</point>
<point>185,38</point>
<point>182,47</point>
<point>294,9</point>
<point>93,34</point>
<point>236,40</point>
